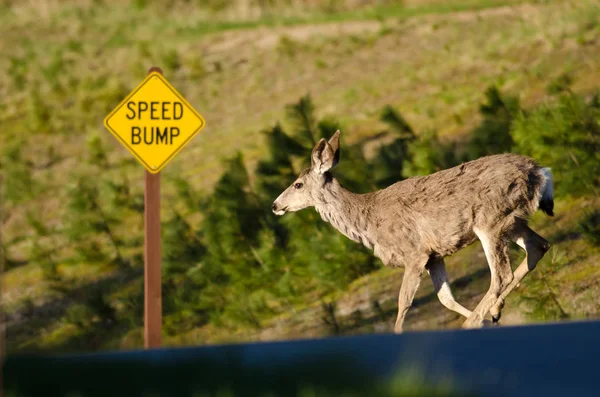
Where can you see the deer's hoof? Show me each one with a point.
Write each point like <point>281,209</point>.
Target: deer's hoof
<point>496,310</point>
<point>398,328</point>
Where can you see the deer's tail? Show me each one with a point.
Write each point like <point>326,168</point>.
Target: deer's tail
<point>547,196</point>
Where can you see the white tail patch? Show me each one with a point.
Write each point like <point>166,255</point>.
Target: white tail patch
<point>548,190</point>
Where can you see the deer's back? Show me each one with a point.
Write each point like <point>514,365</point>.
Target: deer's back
<point>438,212</point>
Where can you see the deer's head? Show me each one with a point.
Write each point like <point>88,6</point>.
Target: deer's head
<point>307,189</point>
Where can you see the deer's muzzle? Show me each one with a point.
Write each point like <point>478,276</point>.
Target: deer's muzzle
<point>277,210</point>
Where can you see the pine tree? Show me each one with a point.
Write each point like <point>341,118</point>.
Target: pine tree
<point>565,135</point>
<point>90,227</point>
<point>493,134</point>
<point>428,154</point>
<point>183,252</point>
<point>232,221</point>
<point>389,162</point>
<point>316,254</point>
<point>302,119</point>
<point>276,171</point>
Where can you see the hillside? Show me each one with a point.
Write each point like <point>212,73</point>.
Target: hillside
<point>65,65</point>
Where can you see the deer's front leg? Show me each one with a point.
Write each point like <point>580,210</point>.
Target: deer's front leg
<point>410,284</point>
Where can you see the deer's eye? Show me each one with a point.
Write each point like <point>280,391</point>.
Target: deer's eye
<point>298,185</point>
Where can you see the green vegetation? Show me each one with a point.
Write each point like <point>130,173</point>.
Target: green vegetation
<point>573,125</point>
<point>415,88</point>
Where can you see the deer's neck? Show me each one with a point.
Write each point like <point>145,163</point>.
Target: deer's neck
<point>347,212</point>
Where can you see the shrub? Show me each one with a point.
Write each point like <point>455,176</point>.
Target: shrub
<point>493,134</point>
<point>18,181</point>
<point>427,155</point>
<point>387,165</point>
<point>589,226</point>
<point>566,137</point>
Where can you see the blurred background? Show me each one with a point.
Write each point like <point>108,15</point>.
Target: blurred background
<point>415,86</point>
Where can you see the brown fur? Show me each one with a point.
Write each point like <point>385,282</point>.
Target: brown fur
<point>443,208</point>
<point>416,222</point>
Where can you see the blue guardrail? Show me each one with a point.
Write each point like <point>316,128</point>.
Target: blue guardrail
<point>541,360</point>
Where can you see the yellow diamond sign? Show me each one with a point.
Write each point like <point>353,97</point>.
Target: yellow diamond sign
<point>154,122</point>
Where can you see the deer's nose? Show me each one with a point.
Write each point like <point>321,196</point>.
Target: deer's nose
<point>274,207</point>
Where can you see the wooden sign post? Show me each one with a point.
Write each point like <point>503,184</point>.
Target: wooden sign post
<point>154,122</point>
<point>152,256</point>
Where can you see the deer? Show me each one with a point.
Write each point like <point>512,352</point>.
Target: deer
<point>416,222</point>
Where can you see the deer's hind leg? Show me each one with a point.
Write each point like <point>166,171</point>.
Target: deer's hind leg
<point>535,247</point>
<point>437,271</point>
<point>496,253</point>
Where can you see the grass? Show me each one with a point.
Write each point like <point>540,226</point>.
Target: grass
<point>64,67</point>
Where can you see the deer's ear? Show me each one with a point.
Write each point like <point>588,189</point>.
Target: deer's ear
<point>323,157</point>
<point>334,142</point>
